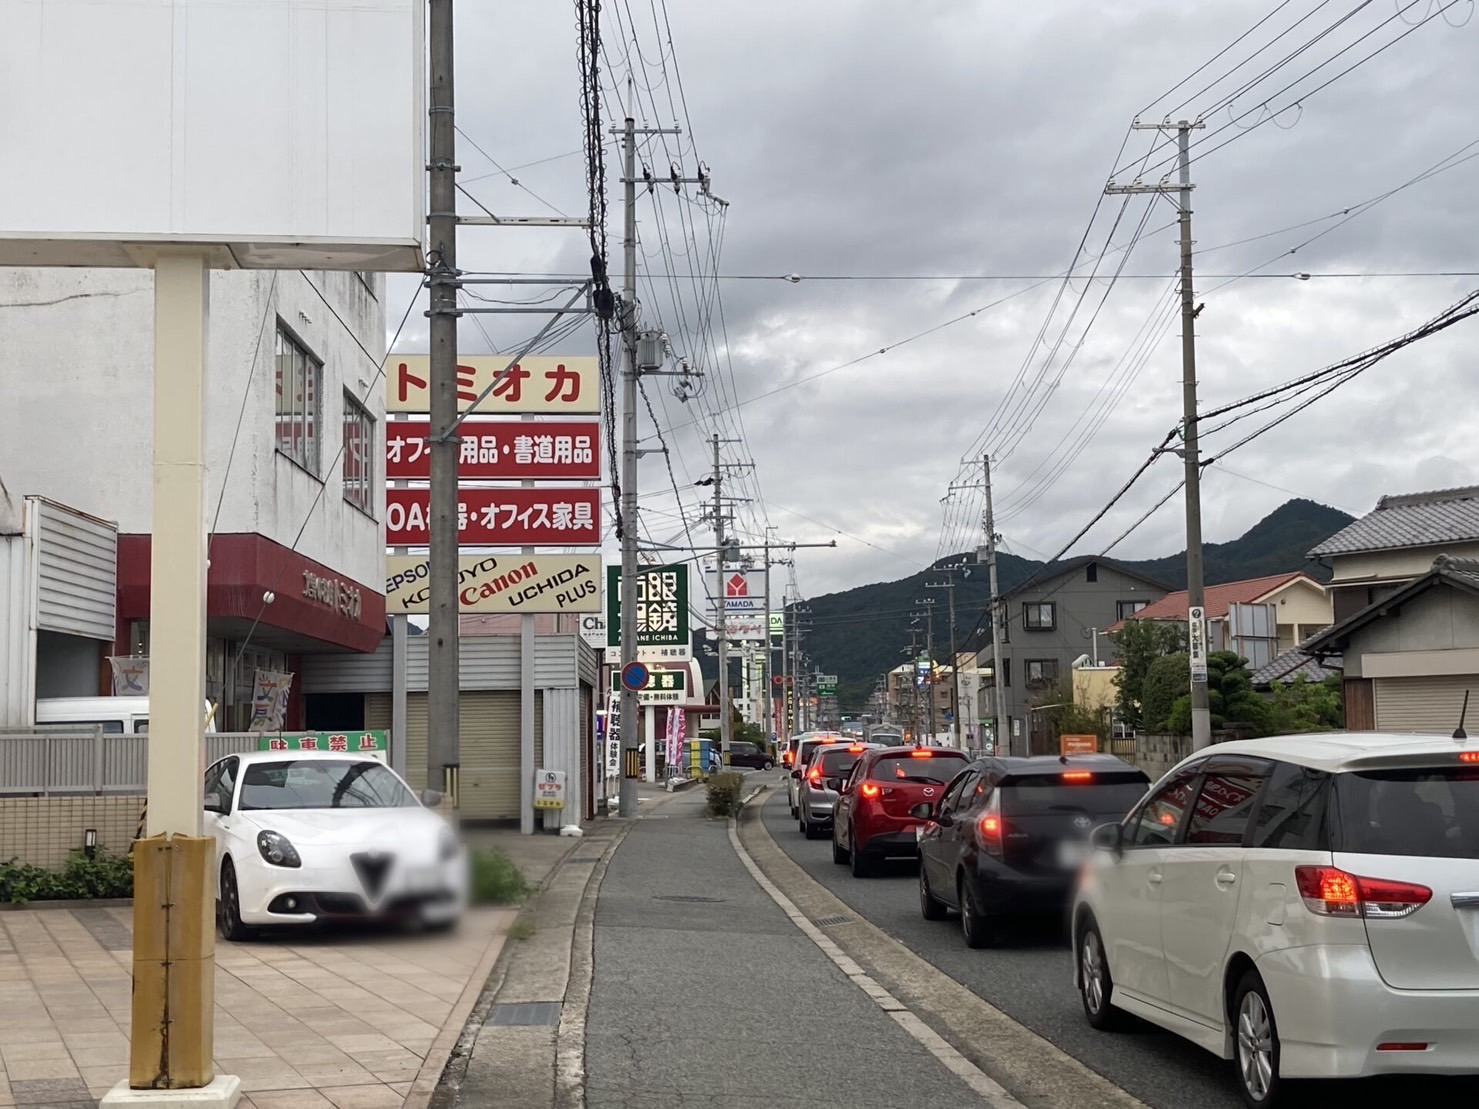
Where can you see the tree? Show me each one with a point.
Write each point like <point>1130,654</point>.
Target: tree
<point>1231,698</point>
<point>1060,716</point>
<point>1140,643</point>
<point>1167,681</point>
<point>1306,706</point>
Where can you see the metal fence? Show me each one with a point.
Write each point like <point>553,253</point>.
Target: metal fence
<point>68,760</point>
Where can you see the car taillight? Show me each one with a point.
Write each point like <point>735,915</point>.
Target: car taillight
<point>1468,756</point>
<point>918,754</point>
<point>870,789</point>
<point>1330,891</point>
<point>855,748</point>
<point>815,774</point>
<point>1077,776</point>
<point>990,827</point>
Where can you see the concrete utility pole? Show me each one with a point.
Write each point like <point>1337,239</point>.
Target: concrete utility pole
<point>998,678</point>
<point>929,651</point>
<point>630,742</point>
<point>1201,719</point>
<point>726,725</point>
<point>443,741</point>
<point>949,586</point>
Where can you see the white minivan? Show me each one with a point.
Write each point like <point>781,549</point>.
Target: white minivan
<point>117,715</point>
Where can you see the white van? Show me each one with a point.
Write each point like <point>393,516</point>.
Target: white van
<point>117,715</point>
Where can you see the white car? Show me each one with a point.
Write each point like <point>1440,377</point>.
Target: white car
<point>1306,906</point>
<point>304,836</point>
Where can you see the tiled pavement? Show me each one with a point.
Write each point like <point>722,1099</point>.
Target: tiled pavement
<point>307,1022</point>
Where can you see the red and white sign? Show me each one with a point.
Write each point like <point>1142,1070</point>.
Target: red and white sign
<point>737,586</point>
<point>500,517</point>
<point>543,384</point>
<point>561,450</point>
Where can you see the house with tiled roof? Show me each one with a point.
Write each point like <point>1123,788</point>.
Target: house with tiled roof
<point>1394,544</point>
<point>1260,618</point>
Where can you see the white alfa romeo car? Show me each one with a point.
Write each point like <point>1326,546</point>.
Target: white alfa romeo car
<point>306,836</point>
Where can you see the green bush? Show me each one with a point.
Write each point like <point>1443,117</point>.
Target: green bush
<point>82,878</point>
<point>724,793</point>
<point>497,880</point>
<point>1167,679</point>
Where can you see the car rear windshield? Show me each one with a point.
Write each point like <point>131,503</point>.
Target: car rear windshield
<point>837,762</point>
<point>1431,811</point>
<point>923,767</point>
<point>1104,793</point>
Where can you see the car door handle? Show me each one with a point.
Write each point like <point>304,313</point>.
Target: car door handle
<point>1226,878</point>
<point>1154,877</point>
<point>1464,900</point>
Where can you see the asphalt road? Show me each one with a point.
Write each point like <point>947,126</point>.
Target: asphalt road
<point>1030,978</point>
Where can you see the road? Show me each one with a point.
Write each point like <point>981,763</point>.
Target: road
<point>1030,978</point>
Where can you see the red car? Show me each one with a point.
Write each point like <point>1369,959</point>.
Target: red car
<point>872,819</point>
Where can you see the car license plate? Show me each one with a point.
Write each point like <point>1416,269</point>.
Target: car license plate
<point>1072,853</point>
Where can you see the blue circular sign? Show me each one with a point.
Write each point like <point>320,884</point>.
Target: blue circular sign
<point>635,675</point>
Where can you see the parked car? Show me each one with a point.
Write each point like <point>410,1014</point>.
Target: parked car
<point>874,815</point>
<point>1305,906</point>
<point>744,753</point>
<point>822,782</point>
<point>116,715</point>
<point>806,743</point>
<point>1009,835</point>
<point>314,835</point>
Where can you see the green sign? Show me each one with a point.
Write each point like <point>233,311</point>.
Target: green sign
<point>662,606</point>
<point>667,687</point>
<point>777,625</point>
<point>374,743</point>
<point>826,689</point>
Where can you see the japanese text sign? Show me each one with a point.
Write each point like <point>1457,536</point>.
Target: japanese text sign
<point>499,583</point>
<point>662,606</point>
<point>562,450</point>
<point>561,386</point>
<point>549,789</point>
<point>1196,632</point>
<point>744,592</point>
<point>371,743</point>
<point>500,517</point>
<point>666,687</point>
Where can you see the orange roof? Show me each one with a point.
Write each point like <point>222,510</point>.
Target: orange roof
<point>1173,606</point>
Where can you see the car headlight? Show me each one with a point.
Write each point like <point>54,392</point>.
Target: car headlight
<point>447,846</point>
<point>277,849</point>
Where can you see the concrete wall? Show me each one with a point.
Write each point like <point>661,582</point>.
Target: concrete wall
<point>1401,565</point>
<point>1441,619</point>
<point>77,422</point>
<point>44,831</point>
<point>1094,688</point>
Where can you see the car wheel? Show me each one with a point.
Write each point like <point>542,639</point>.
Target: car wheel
<point>839,853</point>
<point>811,831</point>
<point>930,906</point>
<point>228,907</point>
<point>862,865</point>
<point>768,764</point>
<point>976,929</point>
<point>1257,1048</point>
<point>1096,986</point>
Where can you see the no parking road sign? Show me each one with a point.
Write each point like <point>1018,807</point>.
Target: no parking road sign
<point>635,675</point>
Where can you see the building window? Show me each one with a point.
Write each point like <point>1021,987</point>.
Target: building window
<point>1126,609</point>
<point>1039,616</point>
<point>1091,574</point>
<point>300,379</point>
<point>359,455</point>
<point>1042,671</point>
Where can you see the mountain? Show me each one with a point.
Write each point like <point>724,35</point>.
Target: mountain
<point>861,633</point>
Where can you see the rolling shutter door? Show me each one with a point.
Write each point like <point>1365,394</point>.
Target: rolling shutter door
<point>491,776</point>
<point>377,716</point>
<point>1429,705</point>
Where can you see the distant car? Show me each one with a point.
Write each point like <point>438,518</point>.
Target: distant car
<point>744,753</point>
<point>822,782</point>
<point>806,743</point>
<point>1009,835</point>
<point>1305,906</point>
<point>308,836</point>
<point>874,816</point>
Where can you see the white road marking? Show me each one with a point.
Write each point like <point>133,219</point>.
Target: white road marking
<point>987,1088</point>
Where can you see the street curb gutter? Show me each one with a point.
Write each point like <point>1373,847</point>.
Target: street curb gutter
<point>971,1035</point>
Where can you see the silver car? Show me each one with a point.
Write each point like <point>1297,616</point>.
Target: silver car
<point>820,784</point>
<point>806,743</point>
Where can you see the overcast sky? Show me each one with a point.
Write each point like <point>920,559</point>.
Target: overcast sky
<point>969,143</point>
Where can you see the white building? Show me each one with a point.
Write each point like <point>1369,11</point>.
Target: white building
<point>294,432</point>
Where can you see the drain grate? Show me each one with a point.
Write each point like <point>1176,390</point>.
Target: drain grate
<point>529,1014</point>
<point>687,898</point>
<point>828,921</point>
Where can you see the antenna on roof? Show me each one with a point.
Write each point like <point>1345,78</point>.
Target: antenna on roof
<point>1458,733</point>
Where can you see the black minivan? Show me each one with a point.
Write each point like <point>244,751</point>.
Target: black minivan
<point>1008,836</point>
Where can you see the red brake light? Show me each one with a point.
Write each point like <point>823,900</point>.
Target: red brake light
<point>855,748</point>
<point>1468,756</point>
<point>1329,891</point>
<point>870,789</point>
<point>991,827</point>
<point>918,754</point>
<point>815,774</point>
<point>1077,776</point>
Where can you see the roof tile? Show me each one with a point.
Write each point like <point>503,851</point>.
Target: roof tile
<point>1410,520</point>
<point>1173,606</point>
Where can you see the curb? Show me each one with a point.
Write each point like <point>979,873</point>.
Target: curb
<point>74,903</point>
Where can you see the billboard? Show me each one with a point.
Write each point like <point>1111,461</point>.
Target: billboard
<point>499,583</point>
<point>662,606</point>
<point>666,687</point>
<point>498,450</point>
<point>744,592</point>
<point>290,131</point>
<point>543,385</point>
<point>745,629</point>
<point>500,517</point>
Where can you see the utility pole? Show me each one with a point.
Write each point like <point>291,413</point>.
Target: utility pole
<point>726,725</point>
<point>1201,719</point>
<point>929,651</point>
<point>443,741</point>
<point>997,676</point>
<point>949,586</point>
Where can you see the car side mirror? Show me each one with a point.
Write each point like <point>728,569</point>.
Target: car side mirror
<point>213,803</point>
<point>431,798</point>
<point>834,784</point>
<point>922,811</point>
<point>795,773</point>
<point>1109,837</point>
